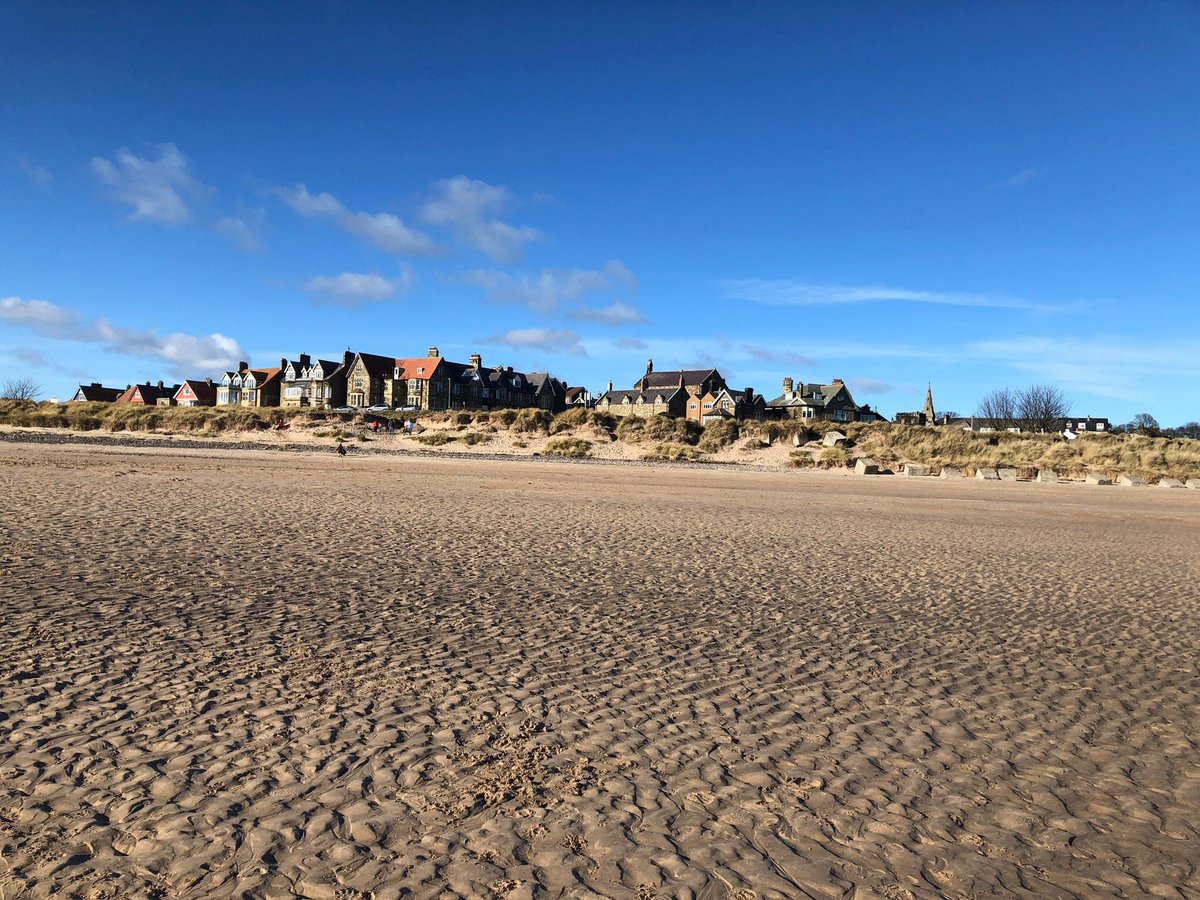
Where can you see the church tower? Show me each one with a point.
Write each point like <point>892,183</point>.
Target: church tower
<point>930,418</point>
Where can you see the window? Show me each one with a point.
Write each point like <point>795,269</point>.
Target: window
<point>358,383</point>
<point>708,405</point>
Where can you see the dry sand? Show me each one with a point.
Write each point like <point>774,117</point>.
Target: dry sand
<point>229,673</point>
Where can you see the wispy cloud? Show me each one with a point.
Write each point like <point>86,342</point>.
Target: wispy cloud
<point>792,292</point>
<point>870,386</point>
<point>156,190</point>
<point>39,175</point>
<point>548,340</point>
<point>785,357</point>
<point>628,343</point>
<point>471,209</point>
<point>355,288</point>
<point>185,354</point>
<point>35,360</point>
<point>616,313</point>
<point>545,291</point>
<point>1023,177</point>
<point>244,231</point>
<point>386,231</point>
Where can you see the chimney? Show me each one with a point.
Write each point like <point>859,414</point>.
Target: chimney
<point>208,381</point>
<point>610,387</point>
<point>160,384</point>
<point>433,351</point>
<point>476,361</point>
<point>95,384</point>
<point>348,357</point>
<point>838,381</point>
<point>305,360</point>
<point>787,386</point>
<point>243,366</point>
<point>749,395</point>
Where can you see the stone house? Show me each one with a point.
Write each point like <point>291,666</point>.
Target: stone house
<point>831,402</point>
<point>675,392</point>
<point>371,381</point>
<point>726,404</point>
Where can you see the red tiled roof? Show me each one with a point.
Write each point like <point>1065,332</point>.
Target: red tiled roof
<point>427,364</point>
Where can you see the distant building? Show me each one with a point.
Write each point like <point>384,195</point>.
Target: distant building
<point>317,383</point>
<point>148,394</point>
<point>831,402</point>
<point>679,393</point>
<point>196,392</point>
<point>95,393</point>
<point>926,416</point>
<point>251,387</point>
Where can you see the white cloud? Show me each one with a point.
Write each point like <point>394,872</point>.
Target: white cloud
<point>1023,177</point>
<point>39,175</point>
<point>384,230</point>
<point>469,208</point>
<point>157,190</point>
<point>244,231</point>
<point>792,292</point>
<point>355,288</point>
<point>628,343</point>
<point>545,291</point>
<point>616,313</point>
<point>547,339</point>
<point>186,354</point>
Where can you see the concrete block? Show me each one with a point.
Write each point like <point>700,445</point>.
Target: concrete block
<point>1170,483</point>
<point>950,472</point>
<point>1047,476</point>
<point>1193,483</point>
<point>1130,481</point>
<point>834,439</point>
<point>987,475</point>
<point>866,466</point>
<point>1007,474</point>
<point>1098,479</point>
<point>914,469</point>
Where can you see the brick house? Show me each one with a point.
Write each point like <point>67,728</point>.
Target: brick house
<point>196,392</point>
<point>147,394</point>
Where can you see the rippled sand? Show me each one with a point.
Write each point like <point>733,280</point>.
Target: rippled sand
<point>227,674</point>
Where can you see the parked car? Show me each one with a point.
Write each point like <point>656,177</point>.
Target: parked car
<point>342,409</point>
<point>379,407</point>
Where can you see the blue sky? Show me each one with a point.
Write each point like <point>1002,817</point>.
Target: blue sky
<point>973,195</point>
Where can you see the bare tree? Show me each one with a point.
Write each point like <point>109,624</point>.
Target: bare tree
<point>1042,407</point>
<point>1144,423</point>
<point>998,409</point>
<point>1187,430</point>
<point>20,389</point>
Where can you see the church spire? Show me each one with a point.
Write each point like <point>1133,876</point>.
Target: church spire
<point>930,418</point>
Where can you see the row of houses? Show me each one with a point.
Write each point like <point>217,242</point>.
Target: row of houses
<point>703,396</point>
<point>359,381</point>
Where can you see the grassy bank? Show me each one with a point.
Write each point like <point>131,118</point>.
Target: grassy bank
<point>578,432</point>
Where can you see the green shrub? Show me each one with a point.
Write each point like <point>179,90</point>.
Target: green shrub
<point>568,446</point>
<point>671,452</point>
<point>719,434</point>
<point>435,438</point>
<point>532,420</point>
<point>833,457</point>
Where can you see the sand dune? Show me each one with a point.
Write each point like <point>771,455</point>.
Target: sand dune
<point>228,674</point>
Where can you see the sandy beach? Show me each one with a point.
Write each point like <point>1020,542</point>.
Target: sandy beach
<point>229,673</point>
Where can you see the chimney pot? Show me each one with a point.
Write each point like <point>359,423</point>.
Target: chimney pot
<point>243,366</point>
<point>433,351</point>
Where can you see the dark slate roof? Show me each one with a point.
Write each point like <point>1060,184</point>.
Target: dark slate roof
<point>99,393</point>
<point>671,378</point>
<point>380,366</point>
